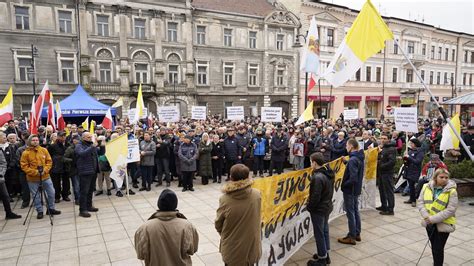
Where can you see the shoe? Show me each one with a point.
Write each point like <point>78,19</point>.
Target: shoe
<point>108,192</point>
<point>347,240</point>
<point>12,200</point>
<point>219,181</point>
<point>413,204</point>
<point>12,216</point>
<point>135,185</point>
<point>25,205</point>
<point>168,184</point>
<point>85,214</point>
<point>386,213</point>
<point>131,192</point>
<point>214,181</point>
<point>39,216</point>
<point>67,199</point>
<point>57,200</point>
<point>328,259</point>
<point>119,194</point>
<point>142,189</point>
<point>53,212</point>
<point>380,208</point>
<point>318,262</point>
<point>191,189</point>
<point>93,209</point>
<point>185,189</point>
<point>76,202</point>
<point>100,192</point>
<point>148,188</point>
<point>407,202</point>
<point>404,194</point>
<point>358,239</point>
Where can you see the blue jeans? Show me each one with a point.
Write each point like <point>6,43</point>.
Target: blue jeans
<point>321,233</point>
<point>75,187</point>
<point>48,188</point>
<point>351,203</point>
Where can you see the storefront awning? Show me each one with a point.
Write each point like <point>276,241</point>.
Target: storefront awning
<point>373,98</point>
<point>467,99</point>
<point>352,98</point>
<point>394,98</point>
<point>323,98</point>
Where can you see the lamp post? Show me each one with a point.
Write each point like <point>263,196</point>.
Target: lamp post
<point>298,45</point>
<point>32,71</point>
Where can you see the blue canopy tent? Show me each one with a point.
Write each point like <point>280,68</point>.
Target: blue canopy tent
<point>80,105</point>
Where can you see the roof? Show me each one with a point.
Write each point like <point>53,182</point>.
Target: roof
<point>462,100</point>
<point>259,8</point>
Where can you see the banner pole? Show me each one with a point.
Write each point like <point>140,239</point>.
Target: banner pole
<point>126,184</point>
<point>441,110</point>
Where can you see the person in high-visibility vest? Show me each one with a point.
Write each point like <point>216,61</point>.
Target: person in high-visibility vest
<point>437,204</point>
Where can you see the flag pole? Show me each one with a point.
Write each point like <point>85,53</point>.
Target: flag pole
<point>441,110</point>
<point>126,184</point>
<point>306,90</point>
<point>320,113</point>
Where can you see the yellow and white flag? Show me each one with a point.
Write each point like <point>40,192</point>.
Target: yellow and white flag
<point>116,152</point>
<point>6,108</point>
<point>85,124</point>
<point>366,37</point>
<point>139,107</point>
<point>306,115</point>
<point>119,102</point>
<point>449,140</point>
<point>310,54</point>
<point>92,127</point>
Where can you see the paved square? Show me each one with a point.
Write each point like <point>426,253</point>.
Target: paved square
<point>107,237</point>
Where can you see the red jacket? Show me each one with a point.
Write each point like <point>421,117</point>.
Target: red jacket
<point>438,165</point>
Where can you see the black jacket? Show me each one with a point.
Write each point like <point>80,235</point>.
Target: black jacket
<point>338,149</point>
<point>87,160</point>
<point>57,151</point>
<point>321,191</point>
<point>279,145</point>
<point>70,161</point>
<point>386,160</point>
<point>217,150</point>
<point>164,150</point>
<point>231,148</point>
<point>414,163</point>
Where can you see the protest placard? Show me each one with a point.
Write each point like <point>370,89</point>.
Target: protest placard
<point>235,113</point>
<point>406,119</point>
<point>131,113</point>
<point>133,154</point>
<point>351,114</point>
<point>271,114</point>
<point>168,114</point>
<point>199,112</point>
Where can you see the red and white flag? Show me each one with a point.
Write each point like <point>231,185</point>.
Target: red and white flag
<point>51,115</point>
<point>61,123</point>
<point>107,122</point>
<point>6,108</point>
<point>312,82</point>
<point>32,125</point>
<point>42,98</point>
<point>150,120</point>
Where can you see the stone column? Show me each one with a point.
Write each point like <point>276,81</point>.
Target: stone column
<point>124,71</point>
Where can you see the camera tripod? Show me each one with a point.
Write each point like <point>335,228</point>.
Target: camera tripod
<point>41,193</point>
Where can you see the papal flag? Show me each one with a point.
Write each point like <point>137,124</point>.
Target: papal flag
<point>310,55</point>
<point>119,102</point>
<point>6,108</point>
<point>366,37</point>
<point>306,115</point>
<point>449,140</point>
<point>139,107</point>
<point>85,124</point>
<point>116,152</point>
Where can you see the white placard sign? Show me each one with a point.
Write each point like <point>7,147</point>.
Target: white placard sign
<point>133,154</point>
<point>199,112</point>
<point>271,114</point>
<point>235,113</point>
<point>131,113</point>
<point>351,114</point>
<point>168,114</point>
<point>406,119</point>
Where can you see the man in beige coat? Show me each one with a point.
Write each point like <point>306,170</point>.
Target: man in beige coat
<point>238,219</point>
<point>167,238</point>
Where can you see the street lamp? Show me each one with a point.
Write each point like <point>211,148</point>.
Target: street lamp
<point>298,45</point>
<point>31,71</point>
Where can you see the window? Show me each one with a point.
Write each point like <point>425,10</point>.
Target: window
<point>253,110</point>
<point>253,75</point>
<point>252,39</point>
<point>394,75</point>
<point>423,49</point>
<point>432,52</point>
<point>440,51</point>
<point>24,64</point>
<point>228,37</point>
<point>172,31</point>
<point>409,75</point>
<point>454,55</point>
<point>173,72</point>
<point>464,79</point>
<point>25,110</point>
<point>279,42</point>
<point>358,75</point>
<point>229,73</point>
<point>378,74</point>
<point>445,78</point>
<point>446,54</point>
<point>22,18</point>
<point>472,57</point>
<point>202,73</point>
<point>105,72</point>
<point>411,47</point>
<point>141,73</point>
<point>280,77</point>
<point>465,56</point>
<point>395,47</point>
<point>470,80</point>
<point>103,25</point>
<point>330,37</point>
<point>452,79</point>
<point>431,77</point>
<point>65,21</point>
<point>201,35</point>
<point>368,74</point>
<point>139,28</point>
<point>438,78</point>
<point>422,74</point>
<point>67,70</point>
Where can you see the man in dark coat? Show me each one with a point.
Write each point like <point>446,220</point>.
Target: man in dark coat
<point>12,129</point>
<point>87,167</point>
<point>244,140</point>
<point>279,145</point>
<point>162,157</point>
<point>339,146</point>
<point>413,160</point>
<point>188,153</point>
<point>351,189</point>
<point>25,190</point>
<point>232,151</point>
<point>385,164</point>
<point>71,168</point>
<point>58,173</point>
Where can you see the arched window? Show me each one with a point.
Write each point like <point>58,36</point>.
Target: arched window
<point>173,69</point>
<point>141,67</point>
<point>104,61</point>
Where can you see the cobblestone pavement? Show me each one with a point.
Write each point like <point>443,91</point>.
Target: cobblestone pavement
<point>107,237</point>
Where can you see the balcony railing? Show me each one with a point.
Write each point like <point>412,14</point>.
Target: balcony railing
<point>416,59</point>
<point>105,87</point>
<point>146,88</point>
<point>178,88</point>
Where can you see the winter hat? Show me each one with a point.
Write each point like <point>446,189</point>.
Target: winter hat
<point>434,157</point>
<point>167,201</point>
<point>416,142</point>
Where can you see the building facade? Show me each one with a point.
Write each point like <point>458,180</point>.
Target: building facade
<point>444,59</point>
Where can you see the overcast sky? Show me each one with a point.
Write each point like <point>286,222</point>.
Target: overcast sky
<point>456,15</point>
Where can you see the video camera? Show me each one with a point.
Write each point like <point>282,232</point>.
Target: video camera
<point>40,169</point>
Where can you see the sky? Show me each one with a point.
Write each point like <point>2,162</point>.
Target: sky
<point>455,15</point>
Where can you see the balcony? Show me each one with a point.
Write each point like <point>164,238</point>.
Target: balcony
<point>417,60</point>
<point>180,88</point>
<point>146,88</point>
<point>105,87</point>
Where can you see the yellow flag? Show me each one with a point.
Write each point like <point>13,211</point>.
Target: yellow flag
<point>92,128</point>
<point>119,102</point>
<point>85,124</point>
<point>449,139</point>
<point>306,115</point>
<point>139,107</point>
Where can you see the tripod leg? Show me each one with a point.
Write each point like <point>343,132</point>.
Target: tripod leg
<point>31,206</point>
<point>43,193</point>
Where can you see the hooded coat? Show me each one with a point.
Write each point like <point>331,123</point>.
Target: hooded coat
<point>386,160</point>
<point>238,223</point>
<point>354,174</point>
<point>33,157</point>
<point>205,162</point>
<point>321,191</point>
<point>167,238</point>
<point>414,162</point>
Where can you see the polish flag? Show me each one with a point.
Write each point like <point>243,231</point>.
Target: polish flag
<point>312,83</point>
<point>61,123</point>
<point>42,98</point>
<point>32,125</point>
<point>51,115</point>
<point>107,122</point>
<point>150,120</point>
<point>6,108</point>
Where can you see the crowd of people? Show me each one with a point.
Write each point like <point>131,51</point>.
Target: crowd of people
<point>208,150</point>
